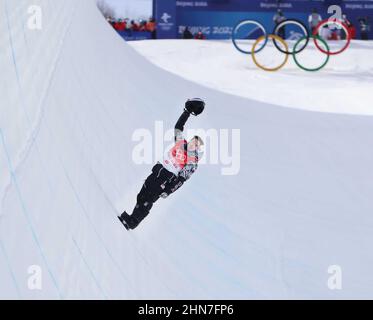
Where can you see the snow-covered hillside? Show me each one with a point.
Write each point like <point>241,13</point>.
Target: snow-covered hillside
<point>343,86</point>
<point>72,95</point>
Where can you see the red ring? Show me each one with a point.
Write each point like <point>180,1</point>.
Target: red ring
<point>348,34</point>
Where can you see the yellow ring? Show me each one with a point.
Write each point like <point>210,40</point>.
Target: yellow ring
<point>274,37</point>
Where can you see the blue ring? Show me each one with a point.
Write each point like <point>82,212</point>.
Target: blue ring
<point>254,22</point>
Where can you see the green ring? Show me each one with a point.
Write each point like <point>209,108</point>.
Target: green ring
<point>309,69</point>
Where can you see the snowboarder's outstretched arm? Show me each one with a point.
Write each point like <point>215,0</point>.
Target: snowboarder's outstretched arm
<point>179,127</point>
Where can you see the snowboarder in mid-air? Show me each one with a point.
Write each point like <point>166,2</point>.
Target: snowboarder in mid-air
<point>178,165</point>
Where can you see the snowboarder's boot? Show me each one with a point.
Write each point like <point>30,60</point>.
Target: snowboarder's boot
<point>128,221</point>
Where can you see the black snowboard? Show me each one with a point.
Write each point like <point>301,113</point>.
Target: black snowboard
<point>124,223</point>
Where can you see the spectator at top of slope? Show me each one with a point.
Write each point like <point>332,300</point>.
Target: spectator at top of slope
<point>351,28</point>
<point>277,19</point>
<point>142,25</point>
<point>364,28</point>
<point>150,25</point>
<point>187,34</point>
<point>313,20</point>
<point>134,26</point>
<point>200,36</point>
<point>120,25</point>
<point>112,21</point>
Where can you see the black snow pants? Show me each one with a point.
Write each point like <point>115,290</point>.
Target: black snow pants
<point>150,192</point>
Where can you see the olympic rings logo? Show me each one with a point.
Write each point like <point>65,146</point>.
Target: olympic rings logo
<point>281,45</point>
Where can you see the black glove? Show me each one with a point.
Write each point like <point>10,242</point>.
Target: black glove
<point>195,106</point>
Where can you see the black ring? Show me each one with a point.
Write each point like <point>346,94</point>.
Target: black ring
<point>285,22</point>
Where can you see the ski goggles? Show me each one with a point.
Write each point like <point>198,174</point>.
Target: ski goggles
<point>247,30</point>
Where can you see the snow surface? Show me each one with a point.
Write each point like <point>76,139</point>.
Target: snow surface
<point>343,86</point>
<point>72,95</point>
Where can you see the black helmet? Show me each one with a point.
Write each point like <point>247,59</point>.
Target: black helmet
<point>195,106</point>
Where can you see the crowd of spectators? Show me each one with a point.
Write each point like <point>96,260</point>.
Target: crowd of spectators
<point>328,33</point>
<point>313,21</point>
<point>133,25</point>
